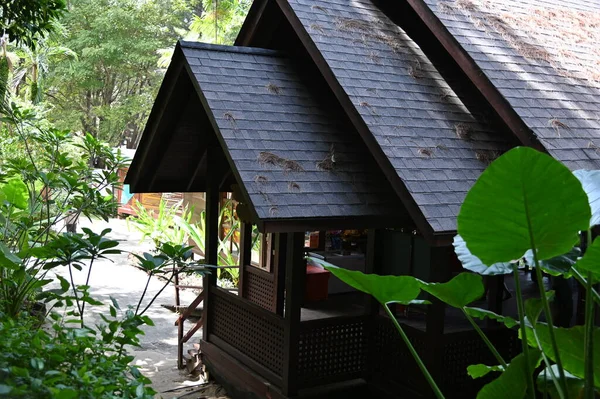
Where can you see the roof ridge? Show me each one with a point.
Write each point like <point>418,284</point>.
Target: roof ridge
<point>231,49</point>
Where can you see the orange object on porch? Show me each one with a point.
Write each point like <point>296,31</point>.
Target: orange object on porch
<point>317,280</point>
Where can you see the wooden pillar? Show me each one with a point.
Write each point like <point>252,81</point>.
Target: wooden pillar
<point>373,260</point>
<point>495,294</point>
<point>322,240</point>
<point>279,262</point>
<point>295,277</point>
<point>211,238</point>
<point>245,257</point>
<point>439,272</point>
<point>373,264</point>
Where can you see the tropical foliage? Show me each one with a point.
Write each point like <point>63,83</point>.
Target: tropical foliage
<point>173,225</point>
<point>220,21</point>
<point>71,79</point>
<point>546,211</point>
<point>39,188</point>
<point>24,21</point>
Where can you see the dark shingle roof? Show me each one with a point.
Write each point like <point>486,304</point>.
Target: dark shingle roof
<point>281,138</point>
<point>544,57</point>
<point>408,107</point>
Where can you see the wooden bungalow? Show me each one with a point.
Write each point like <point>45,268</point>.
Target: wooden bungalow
<point>378,115</point>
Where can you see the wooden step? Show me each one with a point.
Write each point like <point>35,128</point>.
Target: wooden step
<point>193,364</point>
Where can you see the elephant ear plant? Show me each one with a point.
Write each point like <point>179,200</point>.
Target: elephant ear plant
<point>525,208</point>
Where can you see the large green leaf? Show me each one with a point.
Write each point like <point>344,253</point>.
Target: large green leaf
<point>15,193</point>
<point>575,385</point>
<point>559,265</point>
<point>458,292</point>
<point>483,314</point>
<point>590,180</point>
<point>590,261</point>
<point>534,307</point>
<point>481,370</point>
<point>474,264</point>
<point>523,199</point>
<point>570,342</point>
<point>386,289</point>
<point>512,383</point>
<point>8,258</point>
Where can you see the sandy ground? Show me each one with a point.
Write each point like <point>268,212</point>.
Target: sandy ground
<point>157,356</point>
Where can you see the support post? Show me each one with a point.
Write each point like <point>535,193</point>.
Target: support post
<point>295,278</point>
<point>495,294</point>
<point>373,265</point>
<point>211,238</point>
<point>436,312</point>
<point>245,257</point>
<point>322,240</point>
<point>279,271</point>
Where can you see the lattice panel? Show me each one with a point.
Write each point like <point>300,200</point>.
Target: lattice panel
<point>258,337</point>
<point>260,290</point>
<point>390,358</point>
<point>468,348</point>
<point>332,349</point>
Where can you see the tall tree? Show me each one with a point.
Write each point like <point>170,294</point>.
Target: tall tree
<point>25,21</point>
<point>108,91</point>
<point>220,20</point>
<point>31,64</point>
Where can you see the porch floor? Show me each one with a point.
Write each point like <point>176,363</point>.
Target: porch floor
<point>347,304</point>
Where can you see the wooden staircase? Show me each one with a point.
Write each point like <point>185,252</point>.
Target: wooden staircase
<point>192,360</point>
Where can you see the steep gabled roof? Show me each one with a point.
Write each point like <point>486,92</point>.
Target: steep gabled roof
<point>542,56</point>
<point>294,157</point>
<point>430,146</point>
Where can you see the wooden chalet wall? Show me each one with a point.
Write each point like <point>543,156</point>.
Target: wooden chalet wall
<point>150,201</point>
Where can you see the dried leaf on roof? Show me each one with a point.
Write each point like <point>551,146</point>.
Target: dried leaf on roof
<point>328,163</point>
<point>293,186</point>
<point>486,156</point>
<point>349,24</point>
<point>445,96</point>
<point>593,146</point>
<point>368,106</point>
<point>463,131</point>
<point>373,56</point>
<point>425,152</point>
<point>415,70</point>
<point>316,28</point>
<point>288,165</point>
<point>229,116</point>
<point>316,7</point>
<point>260,179</point>
<point>557,124</point>
<point>273,88</point>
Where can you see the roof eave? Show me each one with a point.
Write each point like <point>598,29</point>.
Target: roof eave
<point>287,225</point>
<point>150,130</point>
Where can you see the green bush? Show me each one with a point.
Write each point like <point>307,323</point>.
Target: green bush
<point>65,363</point>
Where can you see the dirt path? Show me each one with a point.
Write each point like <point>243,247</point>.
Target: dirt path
<point>157,356</point>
